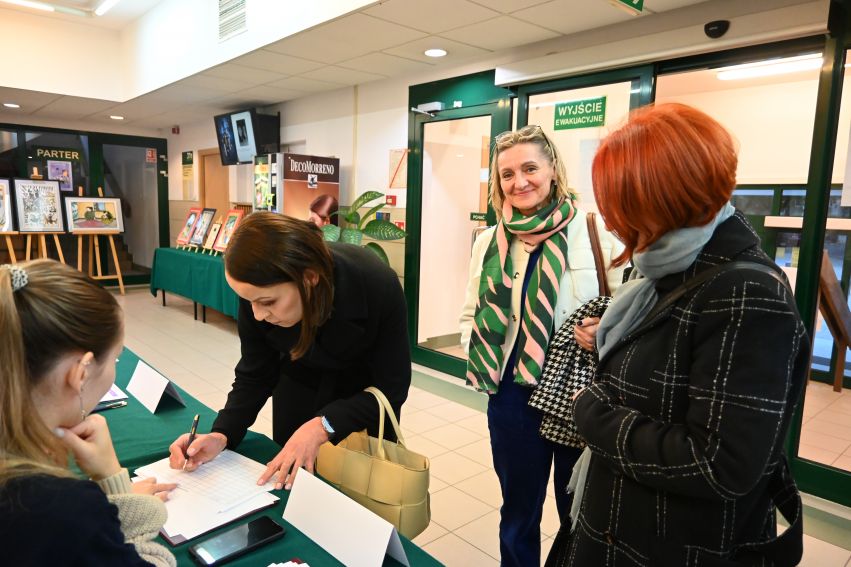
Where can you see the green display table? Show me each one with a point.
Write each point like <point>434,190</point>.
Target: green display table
<point>141,438</point>
<point>193,275</point>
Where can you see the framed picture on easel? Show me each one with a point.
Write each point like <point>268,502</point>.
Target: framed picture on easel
<point>39,206</point>
<point>201,227</point>
<point>6,222</point>
<point>228,226</point>
<point>188,226</point>
<point>94,214</point>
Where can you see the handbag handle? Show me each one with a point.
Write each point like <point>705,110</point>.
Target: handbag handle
<point>597,250</point>
<point>384,405</point>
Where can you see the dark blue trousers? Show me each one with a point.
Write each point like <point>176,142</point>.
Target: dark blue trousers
<point>522,460</point>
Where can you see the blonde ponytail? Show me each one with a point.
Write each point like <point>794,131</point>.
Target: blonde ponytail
<point>58,311</point>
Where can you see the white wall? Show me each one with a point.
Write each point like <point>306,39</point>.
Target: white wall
<point>56,56</point>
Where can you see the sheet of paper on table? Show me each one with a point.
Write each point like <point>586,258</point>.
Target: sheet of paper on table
<point>218,492</point>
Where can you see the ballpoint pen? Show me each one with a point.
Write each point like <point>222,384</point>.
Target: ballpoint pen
<point>192,431</point>
<point>110,405</point>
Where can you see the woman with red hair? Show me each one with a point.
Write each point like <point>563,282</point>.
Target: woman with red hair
<point>702,359</point>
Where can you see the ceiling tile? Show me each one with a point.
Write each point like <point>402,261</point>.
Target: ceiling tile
<point>509,6</point>
<point>384,64</point>
<point>500,33</point>
<point>433,16</point>
<point>304,84</point>
<point>30,101</point>
<point>563,17</point>
<point>247,76</point>
<point>74,108</point>
<point>266,95</point>
<point>345,38</point>
<point>455,51</point>
<point>665,5</point>
<point>214,85</point>
<point>277,62</point>
<point>341,76</point>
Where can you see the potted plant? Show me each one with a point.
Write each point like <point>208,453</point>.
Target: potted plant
<point>353,229</point>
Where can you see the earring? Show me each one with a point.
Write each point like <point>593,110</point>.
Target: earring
<point>82,411</point>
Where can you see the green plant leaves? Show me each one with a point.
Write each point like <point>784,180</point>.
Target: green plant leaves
<point>365,198</point>
<point>383,230</point>
<point>352,236</point>
<point>331,233</point>
<point>369,213</point>
<point>379,251</point>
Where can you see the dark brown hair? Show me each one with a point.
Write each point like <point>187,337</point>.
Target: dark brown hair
<point>325,206</point>
<point>670,166</point>
<point>268,249</point>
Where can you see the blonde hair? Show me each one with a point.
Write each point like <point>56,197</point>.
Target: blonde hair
<point>58,311</point>
<point>530,134</point>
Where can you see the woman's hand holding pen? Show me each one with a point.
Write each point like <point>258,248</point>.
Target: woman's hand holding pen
<point>586,332</point>
<point>300,451</point>
<point>203,449</point>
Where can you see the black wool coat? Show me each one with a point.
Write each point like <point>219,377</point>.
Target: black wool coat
<point>363,343</point>
<point>687,419</point>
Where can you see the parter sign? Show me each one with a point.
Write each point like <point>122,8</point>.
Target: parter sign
<point>588,113</point>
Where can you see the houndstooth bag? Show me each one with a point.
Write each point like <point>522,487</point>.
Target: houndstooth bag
<point>568,367</point>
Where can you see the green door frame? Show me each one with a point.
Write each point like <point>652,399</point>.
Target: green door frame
<point>480,98</point>
<point>644,95</point>
<point>96,170</point>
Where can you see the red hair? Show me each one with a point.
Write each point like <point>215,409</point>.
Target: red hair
<point>670,166</point>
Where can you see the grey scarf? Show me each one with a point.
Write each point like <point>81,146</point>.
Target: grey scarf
<point>673,252</point>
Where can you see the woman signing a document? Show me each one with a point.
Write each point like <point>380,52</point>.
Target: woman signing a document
<point>318,322</point>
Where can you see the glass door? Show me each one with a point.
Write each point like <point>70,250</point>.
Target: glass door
<point>576,114</point>
<point>451,155</point>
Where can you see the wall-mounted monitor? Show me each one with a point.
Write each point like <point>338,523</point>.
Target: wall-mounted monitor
<point>245,134</point>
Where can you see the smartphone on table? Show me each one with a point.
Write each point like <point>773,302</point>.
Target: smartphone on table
<point>228,545</point>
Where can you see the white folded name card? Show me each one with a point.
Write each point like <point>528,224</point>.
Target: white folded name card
<point>148,386</point>
<point>354,535</point>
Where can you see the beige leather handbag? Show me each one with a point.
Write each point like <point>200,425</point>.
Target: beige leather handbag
<point>385,477</point>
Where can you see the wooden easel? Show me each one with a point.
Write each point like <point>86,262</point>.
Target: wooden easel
<point>41,245</point>
<point>94,251</point>
<point>9,246</point>
<point>834,308</point>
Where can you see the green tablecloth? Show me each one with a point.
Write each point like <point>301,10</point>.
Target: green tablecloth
<point>196,276</point>
<point>141,438</point>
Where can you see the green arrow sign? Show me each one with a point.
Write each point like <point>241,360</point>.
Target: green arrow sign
<point>637,5</point>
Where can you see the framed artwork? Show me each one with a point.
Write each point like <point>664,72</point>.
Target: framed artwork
<point>39,206</point>
<point>199,234</point>
<point>6,223</point>
<point>61,171</point>
<point>228,226</point>
<point>211,238</point>
<point>94,214</point>
<point>188,226</point>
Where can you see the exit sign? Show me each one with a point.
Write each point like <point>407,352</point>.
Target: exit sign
<point>636,5</point>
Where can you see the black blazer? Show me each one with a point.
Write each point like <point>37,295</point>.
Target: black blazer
<point>363,343</point>
<point>687,419</point>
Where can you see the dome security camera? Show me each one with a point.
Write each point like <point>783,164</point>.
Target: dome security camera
<point>716,29</point>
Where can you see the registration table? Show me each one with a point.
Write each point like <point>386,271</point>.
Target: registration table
<point>141,438</point>
<point>193,275</point>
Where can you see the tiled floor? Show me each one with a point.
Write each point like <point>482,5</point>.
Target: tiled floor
<point>465,492</point>
<point>826,431</point>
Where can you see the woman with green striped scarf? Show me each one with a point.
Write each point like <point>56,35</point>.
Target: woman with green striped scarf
<point>527,275</point>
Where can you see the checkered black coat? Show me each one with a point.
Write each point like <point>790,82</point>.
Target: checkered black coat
<point>686,422</point>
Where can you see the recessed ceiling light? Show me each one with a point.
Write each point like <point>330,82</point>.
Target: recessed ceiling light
<point>11,105</point>
<point>116,117</point>
<point>435,52</point>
